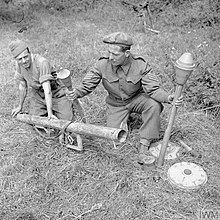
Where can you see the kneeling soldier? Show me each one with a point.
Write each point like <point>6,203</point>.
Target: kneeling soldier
<point>132,86</point>
<point>48,96</point>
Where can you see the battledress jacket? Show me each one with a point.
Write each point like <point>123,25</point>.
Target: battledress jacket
<point>124,83</point>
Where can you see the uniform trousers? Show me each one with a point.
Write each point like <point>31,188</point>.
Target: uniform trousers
<point>147,107</point>
<point>61,106</point>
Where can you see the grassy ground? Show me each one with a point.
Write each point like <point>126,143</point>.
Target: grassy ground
<point>41,180</point>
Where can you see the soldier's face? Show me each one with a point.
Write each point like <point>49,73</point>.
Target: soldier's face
<point>24,59</point>
<point>116,56</point>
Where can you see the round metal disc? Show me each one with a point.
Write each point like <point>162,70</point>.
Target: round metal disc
<point>171,152</point>
<point>148,160</point>
<point>188,176</point>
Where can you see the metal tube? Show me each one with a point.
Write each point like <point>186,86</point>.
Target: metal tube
<point>78,128</point>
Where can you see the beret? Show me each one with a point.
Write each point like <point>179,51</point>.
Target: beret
<point>17,46</point>
<point>118,38</point>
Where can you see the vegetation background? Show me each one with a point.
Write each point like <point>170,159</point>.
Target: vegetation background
<point>41,180</point>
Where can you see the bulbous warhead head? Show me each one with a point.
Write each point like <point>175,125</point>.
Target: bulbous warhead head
<point>65,77</point>
<point>184,67</point>
<point>63,74</point>
<point>185,62</point>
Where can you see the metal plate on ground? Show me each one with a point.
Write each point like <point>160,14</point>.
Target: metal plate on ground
<point>187,176</point>
<point>171,152</point>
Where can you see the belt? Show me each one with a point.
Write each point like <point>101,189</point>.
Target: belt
<point>116,101</point>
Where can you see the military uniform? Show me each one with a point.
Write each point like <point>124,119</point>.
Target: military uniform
<point>131,87</point>
<point>40,72</point>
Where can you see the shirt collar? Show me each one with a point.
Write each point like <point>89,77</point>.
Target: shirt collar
<point>125,65</point>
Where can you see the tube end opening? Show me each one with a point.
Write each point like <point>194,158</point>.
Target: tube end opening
<point>122,136</point>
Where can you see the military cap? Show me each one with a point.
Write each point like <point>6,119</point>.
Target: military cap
<point>118,38</point>
<point>17,46</point>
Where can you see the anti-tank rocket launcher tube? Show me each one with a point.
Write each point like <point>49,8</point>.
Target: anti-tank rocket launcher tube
<point>76,127</point>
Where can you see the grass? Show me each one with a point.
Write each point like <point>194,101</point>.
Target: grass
<point>40,180</point>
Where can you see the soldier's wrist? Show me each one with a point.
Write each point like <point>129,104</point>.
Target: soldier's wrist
<point>169,99</point>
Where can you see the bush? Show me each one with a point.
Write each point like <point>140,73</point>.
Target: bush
<point>203,88</point>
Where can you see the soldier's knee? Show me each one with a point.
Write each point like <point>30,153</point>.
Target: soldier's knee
<point>155,106</point>
<point>112,124</point>
<point>65,115</point>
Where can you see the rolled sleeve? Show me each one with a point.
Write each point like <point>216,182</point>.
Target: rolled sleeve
<point>45,72</point>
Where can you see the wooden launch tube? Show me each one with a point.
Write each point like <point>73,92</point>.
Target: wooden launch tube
<point>183,67</point>
<point>75,127</point>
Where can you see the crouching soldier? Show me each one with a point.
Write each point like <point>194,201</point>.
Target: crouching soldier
<point>48,97</point>
<point>132,86</point>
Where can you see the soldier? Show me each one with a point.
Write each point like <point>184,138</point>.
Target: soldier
<point>48,95</point>
<point>132,87</point>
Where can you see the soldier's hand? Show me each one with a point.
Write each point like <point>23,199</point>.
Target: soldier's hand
<point>71,95</point>
<point>178,102</point>
<point>51,116</point>
<point>16,110</point>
